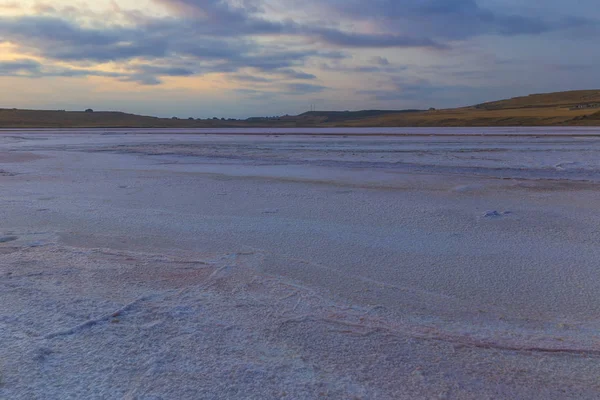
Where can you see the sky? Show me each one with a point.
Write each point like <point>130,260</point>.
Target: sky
<point>241,58</point>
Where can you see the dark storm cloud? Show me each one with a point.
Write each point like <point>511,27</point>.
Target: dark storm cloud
<point>293,74</point>
<point>148,80</point>
<point>33,69</point>
<point>274,76</point>
<point>142,74</point>
<point>448,19</point>
<point>381,61</point>
<point>225,19</point>
<point>153,40</point>
<point>218,36</point>
<point>31,29</point>
<point>164,70</point>
<point>381,68</point>
<point>400,89</point>
<point>360,40</point>
<point>420,91</point>
<point>251,78</point>
<point>303,88</point>
<point>293,89</point>
<point>55,39</point>
<point>19,67</point>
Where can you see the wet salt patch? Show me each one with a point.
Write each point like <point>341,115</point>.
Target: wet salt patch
<point>468,188</point>
<point>7,239</point>
<point>573,165</point>
<point>38,243</point>
<point>496,214</point>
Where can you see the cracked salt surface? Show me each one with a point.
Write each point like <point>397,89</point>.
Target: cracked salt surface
<point>298,274</point>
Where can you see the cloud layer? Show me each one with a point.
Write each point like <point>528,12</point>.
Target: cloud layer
<point>286,47</point>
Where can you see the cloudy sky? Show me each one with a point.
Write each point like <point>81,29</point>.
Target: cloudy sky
<point>238,58</point>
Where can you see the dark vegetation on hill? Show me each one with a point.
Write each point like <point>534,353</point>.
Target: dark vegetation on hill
<point>572,99</point>
<point>592,117</point>
<point>340,116</point>
<point>578,108</point>
<point>13,118</point>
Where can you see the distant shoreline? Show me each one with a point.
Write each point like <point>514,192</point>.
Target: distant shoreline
<point>562,109</point>
<point>571,131</point>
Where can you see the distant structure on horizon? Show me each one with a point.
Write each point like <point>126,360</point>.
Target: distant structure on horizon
<point>585,106</point>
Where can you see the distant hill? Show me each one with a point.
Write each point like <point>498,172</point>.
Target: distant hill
<point>340,116</point>
<point>579,108</point>
<point>595,116</point>
<point>14,118</point>
<point>565,99</point>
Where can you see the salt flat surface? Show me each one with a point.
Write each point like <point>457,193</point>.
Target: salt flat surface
<point>497,131</point>
<point>289,266</point>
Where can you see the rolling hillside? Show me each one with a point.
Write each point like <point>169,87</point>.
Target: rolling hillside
<point>563,99</point>
<point>341,116</point>
<point>578,108</point>
<point>13,118</point>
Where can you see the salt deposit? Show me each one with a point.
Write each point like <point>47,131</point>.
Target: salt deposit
<point>246,266</point>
